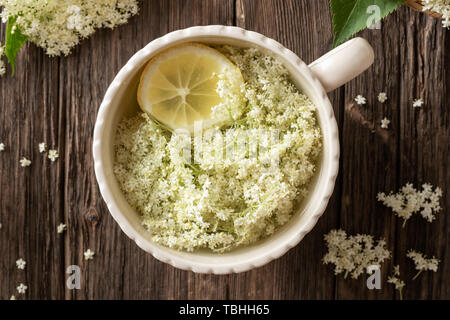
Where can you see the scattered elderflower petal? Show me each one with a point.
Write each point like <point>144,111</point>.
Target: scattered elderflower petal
<point>53,155</point>
<point>382,97</point>
<point>89,254</point>
<point>417,103</point>
<point>395,280</point>
<point>61,228</point>
<point>21,264</point>
<point>22,288</point>
<point>42,147</point>
<point>397,270</point>
<point>422,263</point>
<point>385,123</point>
<point>2,146</point>
<point>57,26</point>
<point>13,298</point>
<point>360,99</point>
<point>24,162</point>
<point>353,254</point>
<point>409,200</point>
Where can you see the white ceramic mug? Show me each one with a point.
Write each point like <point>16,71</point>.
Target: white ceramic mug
<point>327,73</point>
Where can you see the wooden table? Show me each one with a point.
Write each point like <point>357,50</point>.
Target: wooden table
<point>56,100</point>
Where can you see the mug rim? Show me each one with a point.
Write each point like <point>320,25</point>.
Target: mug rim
<point>220,32</point>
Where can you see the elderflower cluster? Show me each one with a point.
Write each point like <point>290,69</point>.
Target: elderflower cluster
<point>422,263</point>
<point>58,25</point>
<point>440,6</point>
<point>410,200</point>
<point>218,202</point>
<point>396,281</point>
<point>353,254</point>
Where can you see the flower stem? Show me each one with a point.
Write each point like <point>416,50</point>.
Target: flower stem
<point>161,125</point>
<point>418,273</point>
<point>196,170</point>
<point>400,293</point>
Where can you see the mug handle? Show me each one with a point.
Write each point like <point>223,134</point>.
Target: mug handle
<point>343,63</point>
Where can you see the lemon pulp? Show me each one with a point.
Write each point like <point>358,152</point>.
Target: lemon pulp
<point>179,86</point>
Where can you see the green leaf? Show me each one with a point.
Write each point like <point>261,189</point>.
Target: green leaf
<point>351,16</point>
<point>14,41</point>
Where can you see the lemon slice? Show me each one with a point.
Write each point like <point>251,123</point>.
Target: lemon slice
<point>179,86</point>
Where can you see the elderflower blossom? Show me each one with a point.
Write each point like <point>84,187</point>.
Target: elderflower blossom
<point>21,264</point>
<point>89,254</point>
<point>360,99</point>
<point>382,97</point>
<point>353,254</point>
<point>61,228</point>
<point>53,155</point>
<point>215,201</point>
<point>417,103</point>
<point>22,289</point>
<point>24,162</point>
<point>441,7</point>
<point>422,263</point>
<point>42,147</point>
<point>57,26</point>
<point>385,123</point>
<point>396,281</point>
<point>409,200</point>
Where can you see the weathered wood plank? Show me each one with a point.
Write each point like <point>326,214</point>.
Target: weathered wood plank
<point>377,160</point>
<point>30,202</point>
<point>424,147</point>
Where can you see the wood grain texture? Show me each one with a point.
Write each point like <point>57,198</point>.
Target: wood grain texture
<point>409,64</point>
<point>424,147</point>
<point>29,209</point>
<point>56,100</point>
